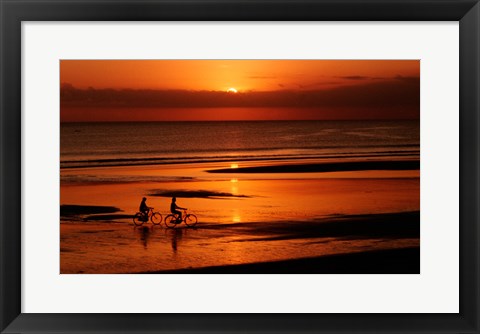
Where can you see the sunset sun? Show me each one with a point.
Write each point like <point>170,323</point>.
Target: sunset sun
<point>232,90</point>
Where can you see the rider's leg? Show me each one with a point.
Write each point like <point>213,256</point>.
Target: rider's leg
<point>179,215</point>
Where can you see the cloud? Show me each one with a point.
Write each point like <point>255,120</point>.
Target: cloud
<point>318,84</point>
<point>395,92</point>
<point>355,77</point>
<point>362,77</point>
<point>407,79</point>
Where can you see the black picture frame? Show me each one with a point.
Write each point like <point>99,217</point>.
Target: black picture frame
<point>13,12</point>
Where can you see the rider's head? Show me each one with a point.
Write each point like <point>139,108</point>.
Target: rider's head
<point>174,199</point>
<point>144,199</point>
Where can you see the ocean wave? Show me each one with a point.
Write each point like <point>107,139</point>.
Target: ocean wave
<point>139,161</point>
<point>111,179</point>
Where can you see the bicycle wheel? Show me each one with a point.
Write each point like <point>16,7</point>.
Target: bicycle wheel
<point>171,221</point>
<point>138,219</point>
<point>156,218</point>
<point>191,220</point>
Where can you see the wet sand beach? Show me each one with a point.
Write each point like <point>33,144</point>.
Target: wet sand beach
<point>248,225</point>
<point>390,261</point>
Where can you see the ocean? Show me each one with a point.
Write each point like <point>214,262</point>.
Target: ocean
<point>160,143</point>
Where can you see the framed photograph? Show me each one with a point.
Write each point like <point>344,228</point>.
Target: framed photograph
<point>239,166</point>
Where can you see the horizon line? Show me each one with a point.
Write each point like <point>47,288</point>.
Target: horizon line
<point>247,120</point>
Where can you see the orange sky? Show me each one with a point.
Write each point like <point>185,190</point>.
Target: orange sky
<point>327,85</point>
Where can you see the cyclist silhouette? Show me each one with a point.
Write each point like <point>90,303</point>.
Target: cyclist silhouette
<point>174,207</point>
<point>143,207</point>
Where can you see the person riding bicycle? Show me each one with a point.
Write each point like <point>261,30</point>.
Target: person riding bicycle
<point>144,208</point>
<point>174,207</point>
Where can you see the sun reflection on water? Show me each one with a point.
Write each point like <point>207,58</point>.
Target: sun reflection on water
<point>234,187</point>
<point>236,216</point>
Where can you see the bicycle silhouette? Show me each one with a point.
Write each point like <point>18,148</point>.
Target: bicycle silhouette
<point>155,217</point>
<point>172,221</point>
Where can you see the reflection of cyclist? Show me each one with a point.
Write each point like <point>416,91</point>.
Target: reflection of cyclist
<point>143,207</point>
<point>174,207</point>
